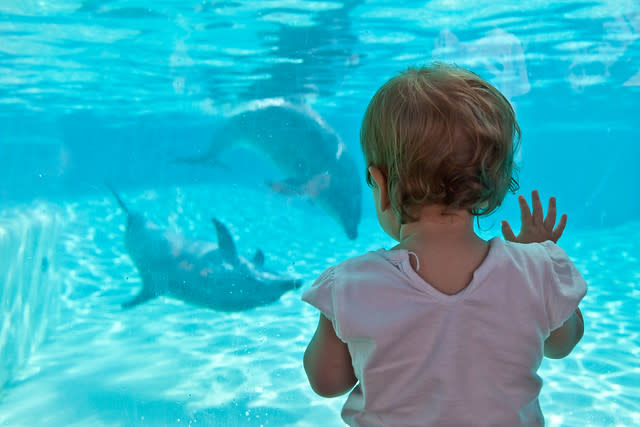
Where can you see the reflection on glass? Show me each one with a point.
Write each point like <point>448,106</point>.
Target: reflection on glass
<point>500,53</point>
<point>594,63</point>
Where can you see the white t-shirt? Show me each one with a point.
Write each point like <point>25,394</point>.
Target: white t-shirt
<point>424,358</point>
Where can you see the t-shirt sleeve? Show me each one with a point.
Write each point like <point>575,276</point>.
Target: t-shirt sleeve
<point>320,294</point>
<point>564,289</point>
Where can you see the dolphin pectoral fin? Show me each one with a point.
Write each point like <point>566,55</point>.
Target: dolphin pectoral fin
<point>145,295</point>
<point>117,196</point>
<point>305,186</point>
<point>149,291</point>
<point>317,184</point>
<point>225,243</point>
<point>258,258</point>
<point>288,187</point>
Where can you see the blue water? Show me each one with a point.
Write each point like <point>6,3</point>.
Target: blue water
<point>113,91</point>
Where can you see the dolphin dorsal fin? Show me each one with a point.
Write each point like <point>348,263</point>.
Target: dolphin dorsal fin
<point>225,243</point>
<point>258,258</point>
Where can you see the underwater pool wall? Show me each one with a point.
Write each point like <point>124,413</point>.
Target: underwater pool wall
<point>30,294</point>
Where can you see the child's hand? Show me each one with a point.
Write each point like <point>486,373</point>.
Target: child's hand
<point>534,228</point>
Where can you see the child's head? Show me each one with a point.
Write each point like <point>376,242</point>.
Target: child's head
<point>441,135</point>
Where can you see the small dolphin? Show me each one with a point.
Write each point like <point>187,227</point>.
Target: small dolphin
<point>299,143</point>
<point>198,272</point>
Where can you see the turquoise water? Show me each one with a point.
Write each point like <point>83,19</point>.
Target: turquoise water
<point>108,91</point>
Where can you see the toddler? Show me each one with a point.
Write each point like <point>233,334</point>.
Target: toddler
<point>444,329</point>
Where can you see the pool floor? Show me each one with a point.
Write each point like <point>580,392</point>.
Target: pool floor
<point>165,363</point>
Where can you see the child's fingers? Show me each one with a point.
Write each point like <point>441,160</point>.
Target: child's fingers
<point>525,213</point>
<point>550,220</point>
<point>537,207</point>
<point>560,228</point>
<point>507,232</point>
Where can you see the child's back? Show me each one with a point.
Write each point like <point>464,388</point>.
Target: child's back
<point>445,328</point>
<point>423,357</point>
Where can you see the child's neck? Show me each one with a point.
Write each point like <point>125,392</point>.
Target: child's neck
<point>434,230</point>
<point>446,248</point>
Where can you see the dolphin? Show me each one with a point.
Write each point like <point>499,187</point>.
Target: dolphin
<point>198,272</point>
<point>303,147</point>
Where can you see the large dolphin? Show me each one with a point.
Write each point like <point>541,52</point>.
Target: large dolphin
<point>198,272</point>
<point>303,147</point>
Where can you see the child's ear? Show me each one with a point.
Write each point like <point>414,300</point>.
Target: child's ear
<point>377,176</point>
<point>381,184</point>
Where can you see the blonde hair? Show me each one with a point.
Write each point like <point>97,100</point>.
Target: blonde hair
<point>441,135</point>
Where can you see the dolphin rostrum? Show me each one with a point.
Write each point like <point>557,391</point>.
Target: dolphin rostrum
<point>303,147</point>
<point>198,272</point>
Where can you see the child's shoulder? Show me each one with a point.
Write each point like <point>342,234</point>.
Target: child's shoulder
<point>368,261</point>
<point>527,248</point>
<point>541,254</point>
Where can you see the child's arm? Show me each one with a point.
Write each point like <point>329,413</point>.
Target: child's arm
<point>535,228</point>
<point>562,340</point>
<point>327,362</point>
